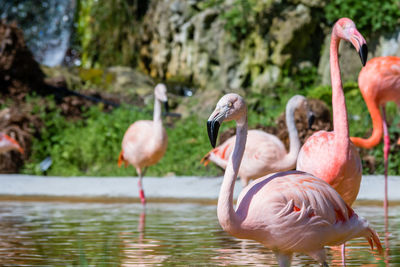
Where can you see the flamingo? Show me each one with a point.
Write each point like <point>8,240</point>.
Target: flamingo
<point>379,83</point>
<point>7,143</point>
<point>331,155</point>
<point>287,212</point>
<point>145,141</point>
<point>264,153</point>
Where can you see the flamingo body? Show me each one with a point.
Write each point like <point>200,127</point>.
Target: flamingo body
<point>296,212</point>
<point>318,156</point>
<point>264,153</point>
<point>143,136</point>
<point>261,155</point>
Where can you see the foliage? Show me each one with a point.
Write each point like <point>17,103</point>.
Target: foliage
<point>237,16</point>
<point>371,16</point>
<point>106,30</point>
<point>92,146</point>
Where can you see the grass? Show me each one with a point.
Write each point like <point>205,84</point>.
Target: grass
<point>91,146</point>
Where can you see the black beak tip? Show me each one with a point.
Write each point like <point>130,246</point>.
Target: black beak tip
<point>212,129</point>
<point>363,54</point>
<point>311,120</point>
<point>166,107</point>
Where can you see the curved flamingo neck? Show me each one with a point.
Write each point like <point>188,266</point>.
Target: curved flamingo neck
<point>377,128</point>
<point>157,110</point>
<point>291,158</point>
<point>227,217</point>
<point>340,123</point>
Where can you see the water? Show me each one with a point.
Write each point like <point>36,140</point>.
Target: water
<point>120,234</point>
<point>46,24</point>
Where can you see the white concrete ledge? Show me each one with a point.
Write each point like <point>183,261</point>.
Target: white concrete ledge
<point>207,188</point>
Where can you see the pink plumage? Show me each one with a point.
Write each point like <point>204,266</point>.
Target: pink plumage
<point>331,155</point>
<point>7,143</point>
<point>379,83</point>
<point>145,142</point>
<point>264,153</point>
<point>287,212</point>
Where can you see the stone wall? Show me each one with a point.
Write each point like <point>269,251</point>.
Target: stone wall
<point>181,39</point>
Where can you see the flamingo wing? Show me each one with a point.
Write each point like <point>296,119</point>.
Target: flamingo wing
<point>296,212</point>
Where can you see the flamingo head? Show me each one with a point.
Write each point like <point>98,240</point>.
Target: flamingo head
<point>160,92</point>
<point>7,143</point>
<point>346,29</point>
<point>299,101</point>
<point>229,107</point>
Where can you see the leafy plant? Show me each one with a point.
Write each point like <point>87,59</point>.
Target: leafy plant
<point>371,16</point>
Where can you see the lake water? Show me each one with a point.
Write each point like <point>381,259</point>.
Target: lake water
<point>170,234</point>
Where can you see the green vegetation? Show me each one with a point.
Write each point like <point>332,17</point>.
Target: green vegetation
<point>371,16</point>
<point>92,146</point>
<point>105,32</point>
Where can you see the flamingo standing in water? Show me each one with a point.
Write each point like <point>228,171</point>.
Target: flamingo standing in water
<point>379,83</point>
<point>145,141</point>
<point>264,153</point>
<point>286,212</point>
<point>331,155</point>
<point>7,143</point>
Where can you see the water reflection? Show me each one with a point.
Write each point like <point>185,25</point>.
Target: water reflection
<point>139,251</point>
<point>60,234</point>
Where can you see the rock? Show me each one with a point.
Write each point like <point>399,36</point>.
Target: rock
<point>193,41</point>
<point>350,64</point>
<point>19,72</point>
<point>130,82</point>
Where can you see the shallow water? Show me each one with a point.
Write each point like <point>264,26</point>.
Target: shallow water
<point>120,234</point>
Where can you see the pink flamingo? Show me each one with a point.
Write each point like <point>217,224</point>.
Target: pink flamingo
<point>7,143</point>
<point>379,83</point>
<point>264,153</point>
<point>331,155</point>
<point>287,212</point>
<point>145,142</point>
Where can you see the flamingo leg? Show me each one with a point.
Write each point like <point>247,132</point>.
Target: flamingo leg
<point>344,254</point>
<point>140,186</point>
<point>386,147</point>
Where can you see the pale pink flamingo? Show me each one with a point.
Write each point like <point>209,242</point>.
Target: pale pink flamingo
<point>379,83</point>
<point>264,153</point>
<point>331,155</point>
<point>7,143</point>
<point>286,212</point>
<point>145,141</point>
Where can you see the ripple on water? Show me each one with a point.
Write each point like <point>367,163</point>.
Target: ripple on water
<point>59,234</point>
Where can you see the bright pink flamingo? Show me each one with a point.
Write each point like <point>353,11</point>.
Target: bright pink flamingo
<point>7,143</point>
<point>286,212</point>
<point>379,83</point>
<point>331,155</point>
<point>145,142</point>
<point>264,153</point>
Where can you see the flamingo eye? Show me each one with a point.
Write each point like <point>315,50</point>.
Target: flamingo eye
<point>229,104</point>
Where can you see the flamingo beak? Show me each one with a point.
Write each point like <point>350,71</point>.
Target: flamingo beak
<point>310,118</point>
<point>166,107</point>
<point>214,122</point>
<point>363,52</point>
<point>360,44</point>
<point>212,129</point>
